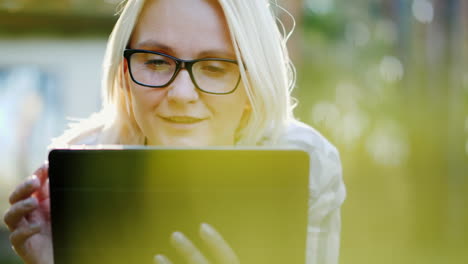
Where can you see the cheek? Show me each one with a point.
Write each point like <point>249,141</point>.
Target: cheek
<point>229,109</point>
<point>145,100</point>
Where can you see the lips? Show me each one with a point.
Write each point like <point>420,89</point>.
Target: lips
<point>182,119</point>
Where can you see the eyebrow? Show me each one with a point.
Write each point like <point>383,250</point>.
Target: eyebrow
<point>152,44</point>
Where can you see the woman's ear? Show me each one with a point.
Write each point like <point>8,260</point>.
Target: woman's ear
<point>244,120</point>
<point>124,76</point>
<point>125,92</point>
<point>248,107</point>
<point>125,65</point>
<point>246,114</point>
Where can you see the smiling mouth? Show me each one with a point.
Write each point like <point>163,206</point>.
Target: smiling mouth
<point>182,119</point>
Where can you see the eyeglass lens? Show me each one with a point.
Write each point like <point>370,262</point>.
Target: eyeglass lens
<point>214,76</point>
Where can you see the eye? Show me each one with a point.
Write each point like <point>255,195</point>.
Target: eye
<point>214,70</point>
<point>158,64</point>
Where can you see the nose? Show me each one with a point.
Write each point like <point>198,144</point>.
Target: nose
<point>182,90</point>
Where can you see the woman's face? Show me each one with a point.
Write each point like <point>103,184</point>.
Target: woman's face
<point>180,114</point>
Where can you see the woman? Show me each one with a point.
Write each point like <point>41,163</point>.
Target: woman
<point>194,73</point>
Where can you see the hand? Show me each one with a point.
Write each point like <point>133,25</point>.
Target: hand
<point>218,247</point>
<point>28,219</point>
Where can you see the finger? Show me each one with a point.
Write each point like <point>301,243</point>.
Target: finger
<point>19,210</point>
<point>25,189</point>
<point>218,247</point>
<point>43,172</point>
<point>43,175</point>
<point>187,249</point>
<point>161,259</point>
<point>43,192</point>
<point>20,235</point>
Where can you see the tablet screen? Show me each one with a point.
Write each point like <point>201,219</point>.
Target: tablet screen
<point>121,206</point>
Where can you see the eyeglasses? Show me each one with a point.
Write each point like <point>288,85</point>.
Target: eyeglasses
<point>158,70</point>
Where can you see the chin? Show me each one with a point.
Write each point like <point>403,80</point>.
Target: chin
<point>185,142</point>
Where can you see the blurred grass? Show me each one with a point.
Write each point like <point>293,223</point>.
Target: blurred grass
<point>404,160</point>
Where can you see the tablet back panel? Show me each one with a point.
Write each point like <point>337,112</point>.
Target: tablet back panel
<point>121,206</point>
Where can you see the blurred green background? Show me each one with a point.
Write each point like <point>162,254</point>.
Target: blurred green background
<point>386,81</point>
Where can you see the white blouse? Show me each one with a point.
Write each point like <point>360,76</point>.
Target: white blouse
<point>326,189</point>
<point>327,192</point>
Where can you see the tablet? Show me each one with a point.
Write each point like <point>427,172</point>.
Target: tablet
<point>117,206</point>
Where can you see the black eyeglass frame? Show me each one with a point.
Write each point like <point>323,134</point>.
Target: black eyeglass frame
<point>180,64</point>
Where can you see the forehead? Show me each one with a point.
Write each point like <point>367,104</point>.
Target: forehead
<point>186,26</point>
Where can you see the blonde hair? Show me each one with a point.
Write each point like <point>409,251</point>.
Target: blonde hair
<point>260,47</point>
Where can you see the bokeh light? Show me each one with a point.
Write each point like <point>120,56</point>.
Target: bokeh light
<point>391,69</point>
<point>466,147</point>
<point>326,114</point>
<point>347,95</point>
<point>388,144</point>
<point>357,33</point>
<point>354,124</point>
<point>423,11</point>
<point>320,6</point>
